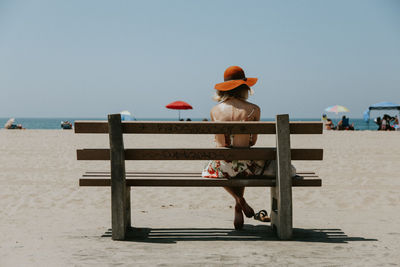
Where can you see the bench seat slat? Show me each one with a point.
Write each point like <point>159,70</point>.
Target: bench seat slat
<point>185,175</point>
<point>157,127</point>
<point>200,154</point>
<point>177,173</point>
<point>202,182</point>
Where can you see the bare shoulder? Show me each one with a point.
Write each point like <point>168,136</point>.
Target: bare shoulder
<point>214,108</point>
<point>255,108</point>
<point>215,112</point>
<point>254,112</point>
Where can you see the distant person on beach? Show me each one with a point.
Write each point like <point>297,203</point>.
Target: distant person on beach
<point>327,122</point>
<point>232,105</point>
<point>16,126</point>
<point>378,122</point>
<point>396,125</point>
<point>344,124</point>
<point>329,125</point>
<point>66,125</point>
<point>324,118</point>
<point>386,123</point>
<point>10,124</point>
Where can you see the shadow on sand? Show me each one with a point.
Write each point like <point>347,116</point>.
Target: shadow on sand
<point>249,233</point>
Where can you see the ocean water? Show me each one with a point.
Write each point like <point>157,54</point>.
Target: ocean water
<point>55,123</point>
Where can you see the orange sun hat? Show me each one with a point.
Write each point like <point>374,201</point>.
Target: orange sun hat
<point>234,77</point>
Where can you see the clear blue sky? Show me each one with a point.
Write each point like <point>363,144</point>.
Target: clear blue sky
<point>89,58</point>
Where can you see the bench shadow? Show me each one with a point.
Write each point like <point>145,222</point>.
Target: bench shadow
<point>249,233</point>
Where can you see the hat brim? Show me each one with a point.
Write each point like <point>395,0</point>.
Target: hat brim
<point>232,84</point>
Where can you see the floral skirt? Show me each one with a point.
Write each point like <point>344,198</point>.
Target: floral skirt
<point>230,169</point>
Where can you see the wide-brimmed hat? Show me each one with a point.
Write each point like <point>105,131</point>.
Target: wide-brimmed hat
<point>234,77</point>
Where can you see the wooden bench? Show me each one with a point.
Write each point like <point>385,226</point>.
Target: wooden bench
<point>121,181</point>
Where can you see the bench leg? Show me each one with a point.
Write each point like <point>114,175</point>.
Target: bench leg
<point>118,180</point>
<point>128,207</point>
<point>281,214</point>
<point>118,209</point>
<point>274,209</point>
<point>283,189</point>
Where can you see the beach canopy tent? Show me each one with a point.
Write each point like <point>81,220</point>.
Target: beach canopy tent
<point>380,106</point>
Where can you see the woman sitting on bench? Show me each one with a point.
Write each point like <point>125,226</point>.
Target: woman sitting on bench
<point>232,96</point>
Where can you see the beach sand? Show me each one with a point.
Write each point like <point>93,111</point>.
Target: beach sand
<point>46,219</point>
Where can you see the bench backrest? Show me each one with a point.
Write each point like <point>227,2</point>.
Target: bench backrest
<point>115,128</point>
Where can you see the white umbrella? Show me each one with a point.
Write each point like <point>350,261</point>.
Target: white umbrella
<point>126,116</point>
<point>9,123</point>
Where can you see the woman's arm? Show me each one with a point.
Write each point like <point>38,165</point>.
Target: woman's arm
<point>256,118</point>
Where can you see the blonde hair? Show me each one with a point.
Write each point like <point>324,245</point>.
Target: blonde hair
<point>240,92</point>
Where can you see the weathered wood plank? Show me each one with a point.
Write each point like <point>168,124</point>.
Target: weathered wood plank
<point>95,127</point>
<point>157,127</point>
<point>199,182</point>
<point>306,154</point>
<point>99,175</point>
<point>274,208</point>
<point>200,154</point>
<point>118,183</point>
<point>283,178</point>
<point>128,207</point>
<point>139,172</point>
<point>300,173</point>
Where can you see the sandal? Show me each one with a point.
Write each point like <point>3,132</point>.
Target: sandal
<point>262,216</point>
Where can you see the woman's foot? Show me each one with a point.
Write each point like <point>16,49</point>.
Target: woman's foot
<point>238,221</point>
<point>247,210</point>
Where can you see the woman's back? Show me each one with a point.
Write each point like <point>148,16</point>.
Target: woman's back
<point>235,109</point>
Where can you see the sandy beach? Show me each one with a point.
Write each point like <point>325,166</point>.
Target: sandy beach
<point>48,220</point>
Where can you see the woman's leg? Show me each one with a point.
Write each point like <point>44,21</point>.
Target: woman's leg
<point>237,193</point>
<point>238,219</point>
